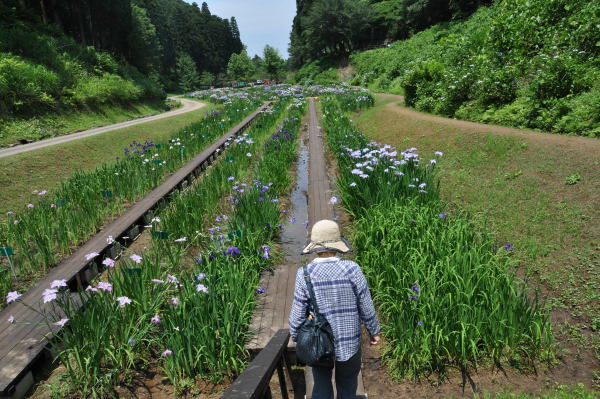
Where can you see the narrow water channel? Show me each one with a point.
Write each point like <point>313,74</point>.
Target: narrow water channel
<point>294,235</point>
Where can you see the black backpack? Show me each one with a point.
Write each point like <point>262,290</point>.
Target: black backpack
<point>315,342</point>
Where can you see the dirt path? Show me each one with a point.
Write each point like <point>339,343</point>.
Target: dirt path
<point>590,146</point>
<point>187,106</point>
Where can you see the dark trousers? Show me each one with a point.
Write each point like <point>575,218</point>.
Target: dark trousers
<point>346,379</point>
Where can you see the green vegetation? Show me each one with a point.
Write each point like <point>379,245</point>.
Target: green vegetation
<point>316,72</point>
<point>21,174</point>
<point>71,57</point>
<point>513,184</point>
<point>527,64</point>
<point>187,73</point>
<point>36,77</point>
<point>332,29</point>
<point>561,392</point>
<point>273,64</point>
<point>240,66</point>
<point>450,297</point>
<point>19,130</point>
<point>50,227</point>
<point>164,309</point>
<point>328,29</point>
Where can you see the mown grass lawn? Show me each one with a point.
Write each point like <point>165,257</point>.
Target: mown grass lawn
<point>539,192</point>
<point>48,125</point>
<point>45,168</point>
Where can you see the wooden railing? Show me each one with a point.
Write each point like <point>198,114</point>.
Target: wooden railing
<point>253,383</point>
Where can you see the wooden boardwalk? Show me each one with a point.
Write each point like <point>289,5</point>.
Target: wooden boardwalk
<point>273,311</point>
<point>22,344</point>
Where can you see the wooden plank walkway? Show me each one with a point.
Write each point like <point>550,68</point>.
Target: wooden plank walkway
<point>22,344</point>
<point>273,311</point>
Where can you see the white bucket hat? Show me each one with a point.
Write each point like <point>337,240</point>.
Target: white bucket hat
<point>325,236</point>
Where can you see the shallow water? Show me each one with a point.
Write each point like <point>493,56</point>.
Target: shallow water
<point>294,236</point>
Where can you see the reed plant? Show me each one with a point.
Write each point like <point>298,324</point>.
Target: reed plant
<point>447,295</point>
<point>185,304</point>
<point>57,223</point>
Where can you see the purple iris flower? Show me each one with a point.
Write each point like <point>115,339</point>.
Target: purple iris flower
<point>232,251</point>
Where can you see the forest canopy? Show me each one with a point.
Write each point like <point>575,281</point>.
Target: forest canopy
<point>332,28</point>
<point>57,53</point>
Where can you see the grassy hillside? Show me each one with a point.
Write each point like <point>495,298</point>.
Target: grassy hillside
<point>532,64</point>
<point>45,75</point>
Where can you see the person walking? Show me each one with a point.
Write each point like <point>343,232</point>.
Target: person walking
<point>344,299</point>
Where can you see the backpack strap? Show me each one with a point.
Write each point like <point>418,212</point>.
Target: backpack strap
<point>311,291</point>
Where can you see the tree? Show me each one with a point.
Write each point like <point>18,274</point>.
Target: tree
<point>273,63</point>
<point>235,30</point>
<point>207,79</point>
<point>258,62</point>
<point>186,72</point>
<point>329,28</point>
<point>144,46</point>
<point>205,9</point>
<point>240,66</point>
<point>333,26</point>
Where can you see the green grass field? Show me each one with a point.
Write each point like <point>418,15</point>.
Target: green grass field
<point>45,168</point>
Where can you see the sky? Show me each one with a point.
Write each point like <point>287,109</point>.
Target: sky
<point>261,22</point>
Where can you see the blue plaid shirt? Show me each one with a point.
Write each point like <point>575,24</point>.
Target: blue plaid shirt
<point>344,299</point>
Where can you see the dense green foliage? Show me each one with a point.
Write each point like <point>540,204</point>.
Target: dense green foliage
<point>240,66</point>
<point>42,71</point>
<point>333,28</point>
<point>316,72</point>
<point>90,53</point>
<point>447,295</point>
<point>273,64</point>
<point>531,64</point>
<point>187,72</point>
<point>270,66</point>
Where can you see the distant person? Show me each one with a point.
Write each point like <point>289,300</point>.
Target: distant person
<point>343,297</point>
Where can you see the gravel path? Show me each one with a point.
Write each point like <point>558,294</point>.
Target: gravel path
<point>187,106</point>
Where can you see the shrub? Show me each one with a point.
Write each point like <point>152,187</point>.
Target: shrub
<point>36,76</point>
<point>316,72</point>
<point>523,64</point>
<point>23,84</point>
<point>107,88</point>
<point>583,116</point>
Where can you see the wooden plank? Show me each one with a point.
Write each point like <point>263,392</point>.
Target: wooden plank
<point>319,207</point>
<point>255,379</point>
<point>259,313</point>
<point>319,189</point>
<point>21,344</point>
<point>289,289</point>
<point>266,322</point>
<point>279,309</point>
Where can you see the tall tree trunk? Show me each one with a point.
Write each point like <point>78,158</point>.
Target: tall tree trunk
<point>43,8</point>
<point>56,17</point>
<point>76,12</point>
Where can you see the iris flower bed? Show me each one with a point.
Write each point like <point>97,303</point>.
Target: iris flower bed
<point>448,296</point>
<point>55,224</point>
<point>185,304</point>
